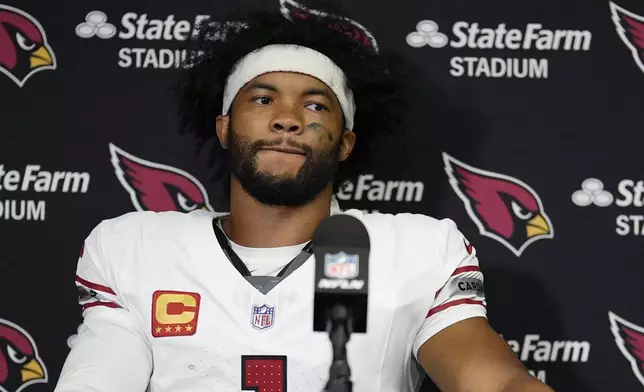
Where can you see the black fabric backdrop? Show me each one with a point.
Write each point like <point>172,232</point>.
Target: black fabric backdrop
<point>524,145</point>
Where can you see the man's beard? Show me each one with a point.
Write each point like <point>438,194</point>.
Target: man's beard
<point>282,190</point>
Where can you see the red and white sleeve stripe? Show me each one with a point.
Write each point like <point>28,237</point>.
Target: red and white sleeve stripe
<point>462,297</point>
<point>464,287</point>
<point>92,294</point>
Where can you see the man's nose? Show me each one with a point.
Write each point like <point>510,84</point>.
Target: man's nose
<point>286,121</point>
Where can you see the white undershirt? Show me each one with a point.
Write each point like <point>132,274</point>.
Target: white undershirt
<point>265,261</point>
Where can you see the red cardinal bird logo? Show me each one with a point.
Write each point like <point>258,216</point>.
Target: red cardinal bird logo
<point>294,11</point>
<point>156,187</point>
<point>503,208</point>
<point>24,49</point>
<point>20,364</point>
<point>630,340</point>
<point>630,28</point>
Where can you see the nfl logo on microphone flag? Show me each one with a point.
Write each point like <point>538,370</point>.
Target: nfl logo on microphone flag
<point>341,265</point>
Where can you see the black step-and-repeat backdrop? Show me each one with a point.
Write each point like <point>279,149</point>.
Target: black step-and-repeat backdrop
<point>526,129</point>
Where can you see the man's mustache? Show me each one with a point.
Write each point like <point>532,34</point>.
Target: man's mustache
<point>259,144</point>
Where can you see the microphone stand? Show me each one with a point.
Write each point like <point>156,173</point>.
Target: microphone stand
<point>339,373</point>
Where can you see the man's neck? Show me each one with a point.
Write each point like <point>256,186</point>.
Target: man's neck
<point>257,225</point>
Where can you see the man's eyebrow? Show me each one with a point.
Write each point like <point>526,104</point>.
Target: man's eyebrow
<point>260,86</point>
<point>318,91</point>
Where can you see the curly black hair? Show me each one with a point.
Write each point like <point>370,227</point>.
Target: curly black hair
<point>371,75</point>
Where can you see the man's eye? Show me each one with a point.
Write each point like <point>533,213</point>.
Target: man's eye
<point>318,107</point>
<point>262,100</point>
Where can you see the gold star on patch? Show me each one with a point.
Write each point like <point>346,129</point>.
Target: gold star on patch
<point>158,329</point>
<point>168,329</point>
<point>189,328</point>
<point>177,328</point>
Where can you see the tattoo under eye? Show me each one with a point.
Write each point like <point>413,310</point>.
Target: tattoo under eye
<point>315,125</point>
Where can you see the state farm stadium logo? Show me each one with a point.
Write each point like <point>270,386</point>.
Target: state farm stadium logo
<point>629,338</point>
<point>146,33</point>
<point>503,208</point>
<point>630,195</point>
<point>157,187</point>
<point>24,48</point>
<point>22,190</point>
<point>534,351</point>
<point>474,38</point>
<point>366,188</point>
<point>630,28</point>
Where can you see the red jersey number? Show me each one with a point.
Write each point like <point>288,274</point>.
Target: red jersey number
<point>264,373</point>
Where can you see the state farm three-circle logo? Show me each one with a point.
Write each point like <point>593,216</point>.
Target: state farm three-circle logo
<point>502,207</point>
<point>628,197</point>
<point>157,187</point>
<point>24,49</point>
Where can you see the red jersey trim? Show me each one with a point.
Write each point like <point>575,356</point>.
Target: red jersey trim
<point>447,305</point>
<point>98,303</point>
<point>94,286</point>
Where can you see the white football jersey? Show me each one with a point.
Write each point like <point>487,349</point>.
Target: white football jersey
<point>193,323</point>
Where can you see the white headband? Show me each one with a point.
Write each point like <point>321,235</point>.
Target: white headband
<point>291,58</point>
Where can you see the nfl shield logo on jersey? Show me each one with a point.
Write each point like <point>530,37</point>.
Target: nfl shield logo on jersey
<point>341,265</point>
<point>262,317</point>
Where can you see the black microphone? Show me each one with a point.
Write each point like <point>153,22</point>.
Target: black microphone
<point>341,249</point>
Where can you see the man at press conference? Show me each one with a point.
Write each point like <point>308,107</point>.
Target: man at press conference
<point>201,301</point>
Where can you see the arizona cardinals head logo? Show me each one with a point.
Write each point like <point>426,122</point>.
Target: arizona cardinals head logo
<point>156,187</point>
<point>294,11</point>
<point>24,50</point>
<point>503,208</point>
<point>20,365</point>
<point>630,340</point>
<point>630,28</point>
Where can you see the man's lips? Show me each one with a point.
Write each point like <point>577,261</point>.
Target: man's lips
<point>286,150</point>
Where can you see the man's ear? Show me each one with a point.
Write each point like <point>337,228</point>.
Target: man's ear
<point>347,143</point>
<point>223,126</point>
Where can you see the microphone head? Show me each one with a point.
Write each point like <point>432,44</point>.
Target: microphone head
<point>341,247</point>
<point>342,230</point>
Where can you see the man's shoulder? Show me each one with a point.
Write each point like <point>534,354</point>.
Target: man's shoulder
<point>417,244</point>
<point>405,223</point>
<point>137,219</point>
<point>136,225</point>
